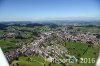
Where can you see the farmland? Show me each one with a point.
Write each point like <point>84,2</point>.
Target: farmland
<point>39,44</point>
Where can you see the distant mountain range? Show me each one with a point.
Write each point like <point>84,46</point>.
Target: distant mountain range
<point>59,22</point>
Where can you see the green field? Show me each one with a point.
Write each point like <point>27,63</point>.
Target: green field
<point>88,29</point>
<point>81,50</point>
<point>34,61</point>
<point>7,44</point>
<point>1,32</point>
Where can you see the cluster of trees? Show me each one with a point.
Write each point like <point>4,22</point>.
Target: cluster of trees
<point>34,24</point>
<point>3,26</point>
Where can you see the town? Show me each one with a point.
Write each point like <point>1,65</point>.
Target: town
<point>52,45</point>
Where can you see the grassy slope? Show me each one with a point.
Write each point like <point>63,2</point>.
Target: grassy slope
<point>7,44</point>
<point>1,32</point>
<point>36,61</point>
<point>79,48</point>
<point>89,29</point>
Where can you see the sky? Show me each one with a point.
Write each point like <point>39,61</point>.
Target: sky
<point>17,10</point>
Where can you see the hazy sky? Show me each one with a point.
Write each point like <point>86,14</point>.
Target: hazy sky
<point>47,9</point>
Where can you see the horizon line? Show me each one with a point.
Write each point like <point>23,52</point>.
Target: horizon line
<point>50,18</point>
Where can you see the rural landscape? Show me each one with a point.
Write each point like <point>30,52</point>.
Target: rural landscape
<point>50,44</point>
<point>49,32</point>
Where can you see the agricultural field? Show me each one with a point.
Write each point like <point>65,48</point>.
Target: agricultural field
<point>88,29</point>
<point>8,44</point>
<point>81,51</point>
<point>34,61</point>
